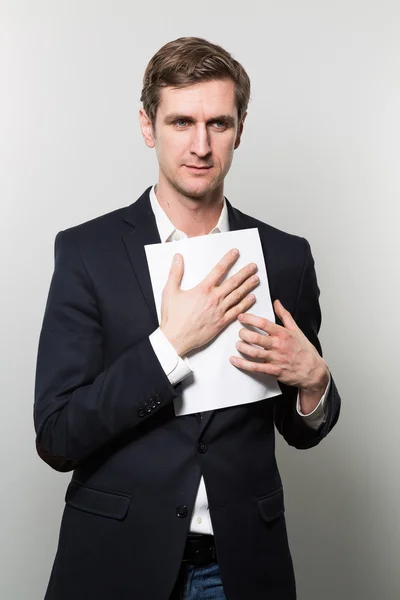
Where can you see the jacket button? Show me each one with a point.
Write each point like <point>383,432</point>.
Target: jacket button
<point>202,447</point>
<point>141,412</point>
<point>157,399</point>
<point>182,511</point>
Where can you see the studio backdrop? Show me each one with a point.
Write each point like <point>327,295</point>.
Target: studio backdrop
<point>319,158</point>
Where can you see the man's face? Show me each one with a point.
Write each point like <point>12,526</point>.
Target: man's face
<point>195,134</point>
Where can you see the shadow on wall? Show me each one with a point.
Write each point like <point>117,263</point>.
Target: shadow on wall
<point>339,536</point>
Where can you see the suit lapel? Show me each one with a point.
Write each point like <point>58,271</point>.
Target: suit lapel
<point>144,232</point>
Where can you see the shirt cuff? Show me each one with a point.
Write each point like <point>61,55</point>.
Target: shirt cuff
<point>175,368</point>
<point>315,418</point>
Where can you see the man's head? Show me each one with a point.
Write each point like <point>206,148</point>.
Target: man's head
<point>195,97</point>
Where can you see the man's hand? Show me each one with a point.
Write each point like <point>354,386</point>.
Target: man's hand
<point>285,353</point>
<point>192,318</point>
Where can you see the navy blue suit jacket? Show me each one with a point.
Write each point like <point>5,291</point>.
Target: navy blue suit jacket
<point>104,410</point>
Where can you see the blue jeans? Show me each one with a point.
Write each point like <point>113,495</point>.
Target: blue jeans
<point>200,583</point>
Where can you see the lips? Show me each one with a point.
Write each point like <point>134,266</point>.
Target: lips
<point>195,168</point>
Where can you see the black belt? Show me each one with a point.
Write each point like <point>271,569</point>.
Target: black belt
<point>199,550</point>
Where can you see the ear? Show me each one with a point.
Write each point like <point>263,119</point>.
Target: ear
<point>147,128</point>
<point>240,131</point>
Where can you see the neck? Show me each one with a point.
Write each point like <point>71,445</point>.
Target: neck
<point>193,216</point>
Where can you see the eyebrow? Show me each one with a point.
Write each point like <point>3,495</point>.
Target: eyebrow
<point>228,119</point>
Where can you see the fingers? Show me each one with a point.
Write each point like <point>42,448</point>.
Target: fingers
<point>233,313</point>
<point>220,270</point>
<point>259,322</point>
<point>244,275</point>
<point>176,271</point>
<point>259,339</point>
<point>252,351</point>
<point>237,294</point>
<point>253,366</point>
<point>284,315</point>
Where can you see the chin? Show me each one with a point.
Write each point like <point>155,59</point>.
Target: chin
<point>195,193</point>
<point>195,190</point>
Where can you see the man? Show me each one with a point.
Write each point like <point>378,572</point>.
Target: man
<point>161,506</point>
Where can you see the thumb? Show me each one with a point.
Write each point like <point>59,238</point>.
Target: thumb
<point>284,315</point>
<point>176,271</point>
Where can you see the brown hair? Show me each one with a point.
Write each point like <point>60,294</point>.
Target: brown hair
<point>189,60</point>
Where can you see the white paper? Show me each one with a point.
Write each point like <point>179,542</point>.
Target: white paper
<point>215,382</point>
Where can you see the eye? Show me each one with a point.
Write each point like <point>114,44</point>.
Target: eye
<point>180,123</point>
<point>220,124</point>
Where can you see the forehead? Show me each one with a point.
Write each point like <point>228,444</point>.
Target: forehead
<point>201,100</point>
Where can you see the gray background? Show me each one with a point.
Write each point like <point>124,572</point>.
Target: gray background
<point>319,158</point>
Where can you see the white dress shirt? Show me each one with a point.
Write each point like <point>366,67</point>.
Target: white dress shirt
<point>177,368</point>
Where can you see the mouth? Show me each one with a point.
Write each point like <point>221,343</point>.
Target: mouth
<point>195,169</point>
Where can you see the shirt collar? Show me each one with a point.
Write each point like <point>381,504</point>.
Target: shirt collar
<point>166,228</point>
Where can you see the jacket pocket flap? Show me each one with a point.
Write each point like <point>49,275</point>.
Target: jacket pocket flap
<point>97,502</point>
<point>271,507</point>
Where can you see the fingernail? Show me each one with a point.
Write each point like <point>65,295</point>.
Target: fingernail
<point>252,297</point>
<point>177,258</point>
<point>235,252</point>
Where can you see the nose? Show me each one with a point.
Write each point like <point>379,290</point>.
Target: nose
<point>200,143</point>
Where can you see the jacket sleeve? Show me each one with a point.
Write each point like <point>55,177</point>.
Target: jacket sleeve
<point>307,315</point>
<point>79,406</point>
